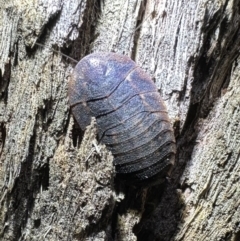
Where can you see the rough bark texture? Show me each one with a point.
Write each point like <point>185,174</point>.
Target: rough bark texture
<point>57,184</point>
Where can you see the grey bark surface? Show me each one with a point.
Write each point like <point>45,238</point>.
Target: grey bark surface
<point>57,183</point>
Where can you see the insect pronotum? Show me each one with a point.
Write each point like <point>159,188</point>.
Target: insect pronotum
<point>131,116</point>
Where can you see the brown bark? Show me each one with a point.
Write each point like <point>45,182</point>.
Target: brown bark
<point>57,184</point>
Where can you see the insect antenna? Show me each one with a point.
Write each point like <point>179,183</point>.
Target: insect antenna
<point>58,52</point>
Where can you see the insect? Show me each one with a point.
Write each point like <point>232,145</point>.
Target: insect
<point>131,117</point>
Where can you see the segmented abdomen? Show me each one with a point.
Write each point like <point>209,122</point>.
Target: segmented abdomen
<point>131,116</point>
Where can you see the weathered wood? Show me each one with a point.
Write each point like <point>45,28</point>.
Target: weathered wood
<point>56,185</point>
<point>211,178</point>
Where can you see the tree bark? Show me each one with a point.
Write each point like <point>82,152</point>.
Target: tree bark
<point>57,183</point>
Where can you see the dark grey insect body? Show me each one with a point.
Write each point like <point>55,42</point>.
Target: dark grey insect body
<point>131,117</point>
